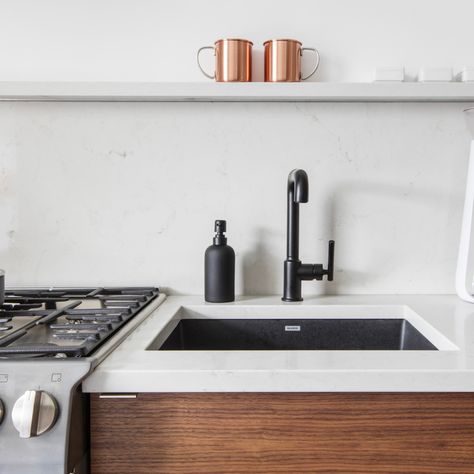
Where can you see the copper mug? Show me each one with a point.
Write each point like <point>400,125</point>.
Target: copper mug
<point>283,60</point>
<point>233,60</point>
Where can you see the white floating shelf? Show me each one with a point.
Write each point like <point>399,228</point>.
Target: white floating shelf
<point>237,92</point>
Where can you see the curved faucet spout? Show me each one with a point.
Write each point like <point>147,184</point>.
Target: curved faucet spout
<point>298,185</point>
<point>297,193</point>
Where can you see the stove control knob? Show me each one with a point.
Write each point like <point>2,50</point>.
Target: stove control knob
<point>2,412</point>
<point>34,413</point>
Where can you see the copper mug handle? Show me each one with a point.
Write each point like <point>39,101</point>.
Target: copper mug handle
<point>199,62</point>
<point>314,51</point>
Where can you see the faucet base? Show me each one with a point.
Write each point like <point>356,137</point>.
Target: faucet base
<point>292,281</point>
<point>291,300</point>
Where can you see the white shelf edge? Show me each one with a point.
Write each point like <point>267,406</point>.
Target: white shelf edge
<point>237,92</point>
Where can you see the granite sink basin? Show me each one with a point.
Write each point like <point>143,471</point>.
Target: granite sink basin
<point>264,328</point>
<point>294,334</point>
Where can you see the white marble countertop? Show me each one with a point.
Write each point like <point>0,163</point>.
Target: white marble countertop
<point>445,320</point>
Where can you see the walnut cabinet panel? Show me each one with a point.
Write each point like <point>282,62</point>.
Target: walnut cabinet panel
<point>251,433</point>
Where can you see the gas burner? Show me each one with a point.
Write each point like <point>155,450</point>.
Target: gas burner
<point>65,322</point>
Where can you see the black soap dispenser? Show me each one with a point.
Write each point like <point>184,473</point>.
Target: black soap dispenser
<point>219,268</point>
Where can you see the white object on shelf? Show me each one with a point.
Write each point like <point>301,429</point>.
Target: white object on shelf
<point>435,74</point>
<point>465,266</point>
<point>237,92</point>
<point>466,75</point>
<point>389,74</point>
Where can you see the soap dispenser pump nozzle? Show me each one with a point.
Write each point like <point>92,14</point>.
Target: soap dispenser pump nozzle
<point>220,226</point>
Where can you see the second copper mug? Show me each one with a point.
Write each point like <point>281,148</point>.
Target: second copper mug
<point>233,60</point>
<point>283,60</point>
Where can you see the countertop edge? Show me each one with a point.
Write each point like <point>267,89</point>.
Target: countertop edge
<point>132,369</point>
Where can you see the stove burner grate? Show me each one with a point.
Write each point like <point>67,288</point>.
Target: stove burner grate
<point>66,322</point>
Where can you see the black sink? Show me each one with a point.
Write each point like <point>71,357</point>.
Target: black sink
<point>292,334</point>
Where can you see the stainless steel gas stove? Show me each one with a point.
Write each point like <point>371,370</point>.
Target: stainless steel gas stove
<point>50,339</point>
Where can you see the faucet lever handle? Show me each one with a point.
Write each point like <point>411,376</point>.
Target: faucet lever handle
<point>330,270</point>
<point>317,270</point>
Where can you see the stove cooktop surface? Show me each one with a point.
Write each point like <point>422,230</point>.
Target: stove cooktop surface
<point>65,322</point>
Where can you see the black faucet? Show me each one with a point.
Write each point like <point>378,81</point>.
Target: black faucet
<point>295,271</point>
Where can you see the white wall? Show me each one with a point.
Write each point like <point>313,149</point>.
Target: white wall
<point>127,193</point>
<point>157,40</point>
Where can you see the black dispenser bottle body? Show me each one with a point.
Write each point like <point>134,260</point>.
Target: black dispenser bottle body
<point>219,268</point>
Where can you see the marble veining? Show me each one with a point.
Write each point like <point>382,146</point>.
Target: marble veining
<point>89,192</point>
